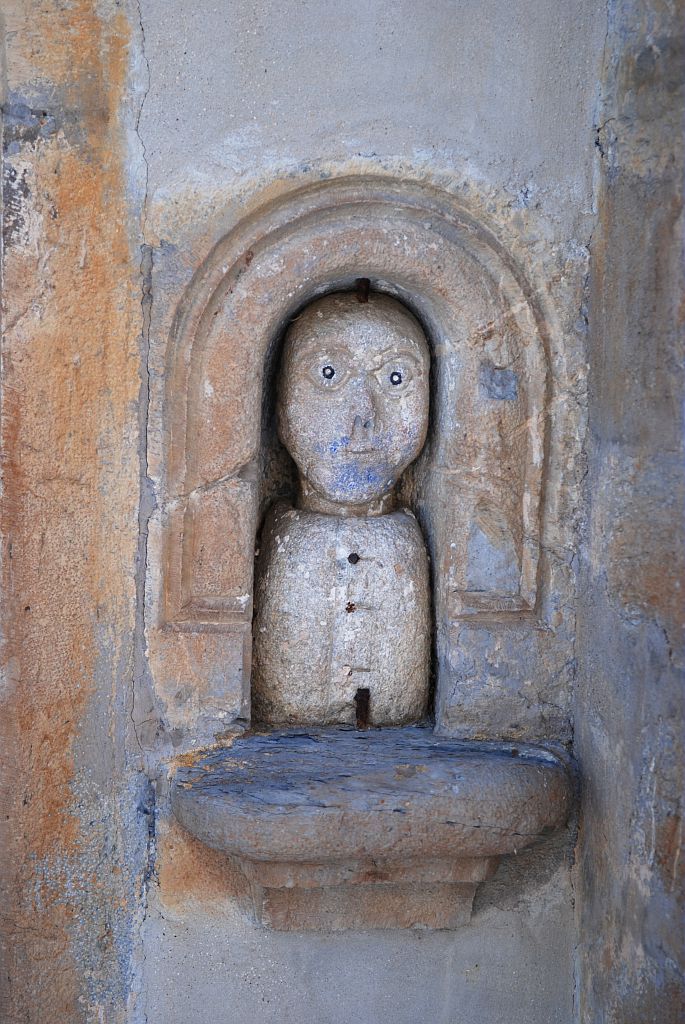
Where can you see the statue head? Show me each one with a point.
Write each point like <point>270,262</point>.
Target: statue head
<point>353,399</point>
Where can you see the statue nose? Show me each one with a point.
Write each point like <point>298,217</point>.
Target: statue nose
<point>362,426</point>
<point>364,412</point>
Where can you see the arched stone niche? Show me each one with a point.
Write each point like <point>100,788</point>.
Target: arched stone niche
<point>477,487</point>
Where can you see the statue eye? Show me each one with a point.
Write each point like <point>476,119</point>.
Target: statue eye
<point>397,373</point>
<point>327,369</point>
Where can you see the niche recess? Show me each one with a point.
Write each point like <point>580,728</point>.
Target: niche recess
<point>477,486</point>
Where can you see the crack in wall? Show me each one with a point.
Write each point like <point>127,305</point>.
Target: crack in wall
<point>582,522</point>
<point>141,681</point>
<point>139,115</point>
<point>147,501</point>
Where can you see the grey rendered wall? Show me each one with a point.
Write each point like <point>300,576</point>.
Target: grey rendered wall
<point>494,102</point>
<point>629,709</point>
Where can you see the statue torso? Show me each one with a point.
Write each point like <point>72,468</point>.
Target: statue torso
<point>341,604</point>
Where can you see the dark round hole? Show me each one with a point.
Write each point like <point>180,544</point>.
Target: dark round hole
<point>353,558</point>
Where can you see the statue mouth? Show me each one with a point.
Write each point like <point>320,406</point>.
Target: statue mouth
<point>365,450</point>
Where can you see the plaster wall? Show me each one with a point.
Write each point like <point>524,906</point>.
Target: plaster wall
<point>136,136</point>
<point>630,693</point>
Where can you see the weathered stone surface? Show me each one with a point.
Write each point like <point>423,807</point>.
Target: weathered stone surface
<point>365,871</point>
<point>197,115</point>
<point>75,812</point>
<point>217,572</point>
<point>353,399</point>
<point>221,142</point>
<point>510,955</point>
<point>328,810</point>
<point>315,795</point>
<point>342,605</point>
<point>365,907</point>
<point>630,698</point>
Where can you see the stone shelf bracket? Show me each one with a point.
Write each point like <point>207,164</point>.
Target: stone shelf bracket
<point>340,828</point>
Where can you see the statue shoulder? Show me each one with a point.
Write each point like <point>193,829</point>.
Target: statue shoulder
<point>281,511</point>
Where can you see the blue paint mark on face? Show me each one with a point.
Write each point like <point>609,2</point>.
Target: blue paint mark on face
<point>335,446</point>
<point>352,479</point>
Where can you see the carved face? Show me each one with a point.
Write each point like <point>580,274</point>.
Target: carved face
<point>353,404</point>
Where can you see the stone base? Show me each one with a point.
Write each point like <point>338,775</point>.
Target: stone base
<point>362,895</point>
<point>363,907</point>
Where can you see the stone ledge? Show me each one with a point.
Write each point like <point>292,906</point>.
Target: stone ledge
<point>339,828</point>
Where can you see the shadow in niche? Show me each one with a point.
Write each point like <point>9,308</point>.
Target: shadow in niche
<point>362,702</point>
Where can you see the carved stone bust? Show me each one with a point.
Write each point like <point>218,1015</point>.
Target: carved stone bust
<point>342,604</point>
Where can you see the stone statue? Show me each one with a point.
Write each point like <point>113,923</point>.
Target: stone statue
<point>342,628</point>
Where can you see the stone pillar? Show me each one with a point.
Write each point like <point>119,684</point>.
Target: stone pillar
<point>629,699</point>
<point>74,815</point>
